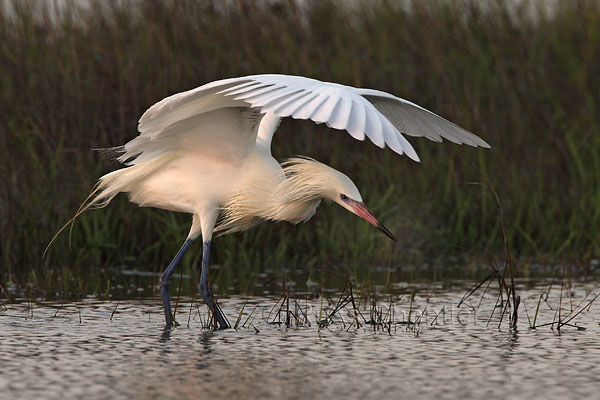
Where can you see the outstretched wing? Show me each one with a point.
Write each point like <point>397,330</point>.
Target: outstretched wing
<point>361,112</point>
<point>414,120</point>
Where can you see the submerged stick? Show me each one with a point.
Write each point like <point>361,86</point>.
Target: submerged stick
<point>7,297</point>
<point>114,311</point>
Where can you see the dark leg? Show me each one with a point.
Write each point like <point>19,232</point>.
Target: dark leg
<point>166,277</point>
<point>206,290</point>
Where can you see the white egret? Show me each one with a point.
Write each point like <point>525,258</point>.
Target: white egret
<point>206,152</point>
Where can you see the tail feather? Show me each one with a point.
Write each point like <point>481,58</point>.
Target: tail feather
<point>110,153</point>
<point>109,186</point>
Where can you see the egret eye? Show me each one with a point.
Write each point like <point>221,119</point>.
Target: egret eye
<point>343,197</point>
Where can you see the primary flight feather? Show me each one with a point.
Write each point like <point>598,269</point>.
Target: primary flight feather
<point>207,152</point>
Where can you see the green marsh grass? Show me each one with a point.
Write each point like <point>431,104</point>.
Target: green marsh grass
<point>523,77</point>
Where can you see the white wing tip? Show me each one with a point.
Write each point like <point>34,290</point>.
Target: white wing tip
<point>484,144</point>
<point>476,141</point>
<point>410,153</point>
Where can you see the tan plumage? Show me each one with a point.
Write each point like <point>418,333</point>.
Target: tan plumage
<point>291,194</point>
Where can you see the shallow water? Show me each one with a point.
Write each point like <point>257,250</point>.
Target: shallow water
<point>119,349</point>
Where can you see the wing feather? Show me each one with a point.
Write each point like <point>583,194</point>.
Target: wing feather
<point>356,121</point>
<point>251,84</point>
<point>309,108</point>
<point>285,108</point>
<point>374,128</point>
<point>292,107</point>
<point>242,91</point>
<point>414,120</point>
<point>256,92</point>
<point>324,111</point>
<point>340,115</point>
<point>275,98</point>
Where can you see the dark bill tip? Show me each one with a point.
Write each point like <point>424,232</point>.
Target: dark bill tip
<point>362,211</point>
<point>386,231</point>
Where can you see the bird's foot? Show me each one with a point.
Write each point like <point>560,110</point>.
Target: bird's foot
<point>216,311</point>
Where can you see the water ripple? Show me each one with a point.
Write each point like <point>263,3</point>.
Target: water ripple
<point>45,351</point>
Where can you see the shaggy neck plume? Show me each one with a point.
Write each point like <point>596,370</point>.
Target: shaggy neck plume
<point>292,195</point>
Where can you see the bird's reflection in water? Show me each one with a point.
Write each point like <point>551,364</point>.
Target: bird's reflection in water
<point>165,335</point>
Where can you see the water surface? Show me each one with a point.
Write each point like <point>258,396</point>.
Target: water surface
<point>109,349</point>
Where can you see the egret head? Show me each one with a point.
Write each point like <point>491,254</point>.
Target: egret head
<point>347,196</point>
<point>328,183</point>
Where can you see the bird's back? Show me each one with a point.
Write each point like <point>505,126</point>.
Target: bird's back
<point>194,164</point>
<point>245,193</point>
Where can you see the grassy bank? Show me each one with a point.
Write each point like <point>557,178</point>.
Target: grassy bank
<point>525,80</point>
